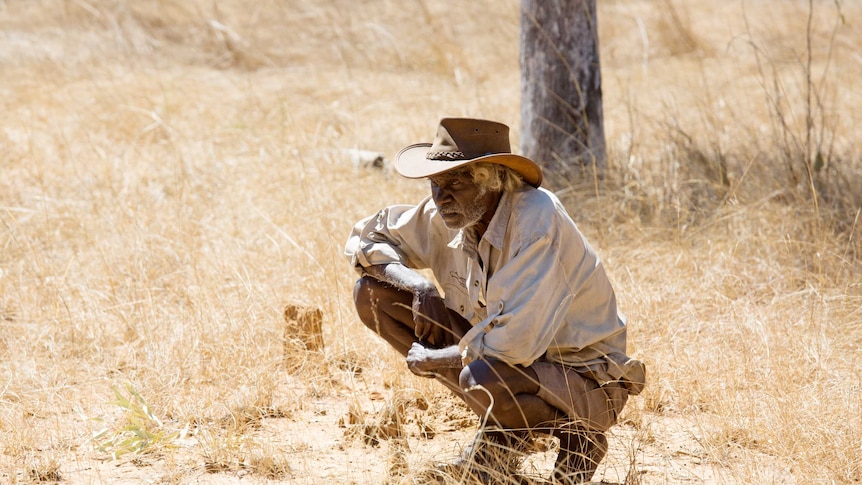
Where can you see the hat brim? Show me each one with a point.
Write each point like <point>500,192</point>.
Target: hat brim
<point>411,162</point>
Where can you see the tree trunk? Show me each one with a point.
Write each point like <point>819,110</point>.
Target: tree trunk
<point>561,88</point>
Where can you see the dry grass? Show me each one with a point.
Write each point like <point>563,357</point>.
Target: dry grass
<point>172,173</point>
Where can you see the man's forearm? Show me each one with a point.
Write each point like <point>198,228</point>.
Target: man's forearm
<point>402,277</point>
<point>447,357</point>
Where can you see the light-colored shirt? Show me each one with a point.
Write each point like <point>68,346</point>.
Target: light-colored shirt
<point>531,286</point>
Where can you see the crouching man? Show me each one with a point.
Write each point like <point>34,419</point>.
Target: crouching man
<point>520,320</point>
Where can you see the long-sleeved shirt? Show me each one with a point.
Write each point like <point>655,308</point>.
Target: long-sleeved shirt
<point>531,286</point>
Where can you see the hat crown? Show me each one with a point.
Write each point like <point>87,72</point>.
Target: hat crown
<point>467,138</point>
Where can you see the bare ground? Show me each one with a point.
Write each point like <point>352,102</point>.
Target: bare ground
<point>358,431</point>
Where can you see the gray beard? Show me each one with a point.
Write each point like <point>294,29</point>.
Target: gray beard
<point>473,213</point>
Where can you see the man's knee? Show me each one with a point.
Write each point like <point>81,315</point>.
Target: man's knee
<point>486,386</point>
<point>472,375</point>
<point>364,300</point>
<point>362,290</point>
<point>379,303</point>
<point>481,376</point>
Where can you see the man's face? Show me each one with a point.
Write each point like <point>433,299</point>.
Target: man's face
<point>460,201</point>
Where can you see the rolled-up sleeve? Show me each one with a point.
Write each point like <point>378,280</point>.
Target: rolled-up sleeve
<point>396,234</point>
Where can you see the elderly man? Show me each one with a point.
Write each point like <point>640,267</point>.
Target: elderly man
<point>520,320</point>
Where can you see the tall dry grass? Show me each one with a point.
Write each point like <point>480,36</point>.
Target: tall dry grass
<point>172,173</point>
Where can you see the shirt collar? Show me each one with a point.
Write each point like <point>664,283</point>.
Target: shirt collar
<point>496,232</point>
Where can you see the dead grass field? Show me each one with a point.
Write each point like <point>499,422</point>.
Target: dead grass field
<point>173,173</point>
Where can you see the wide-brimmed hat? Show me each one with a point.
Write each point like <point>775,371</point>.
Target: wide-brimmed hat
<point>460,142</point>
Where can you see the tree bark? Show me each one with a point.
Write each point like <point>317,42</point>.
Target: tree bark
<point>561,89</point>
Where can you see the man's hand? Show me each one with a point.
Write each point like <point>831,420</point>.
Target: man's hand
<point>420,360</point>
<point>430,316</point>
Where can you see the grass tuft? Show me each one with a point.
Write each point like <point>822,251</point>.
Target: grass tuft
<point>142,431</point>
